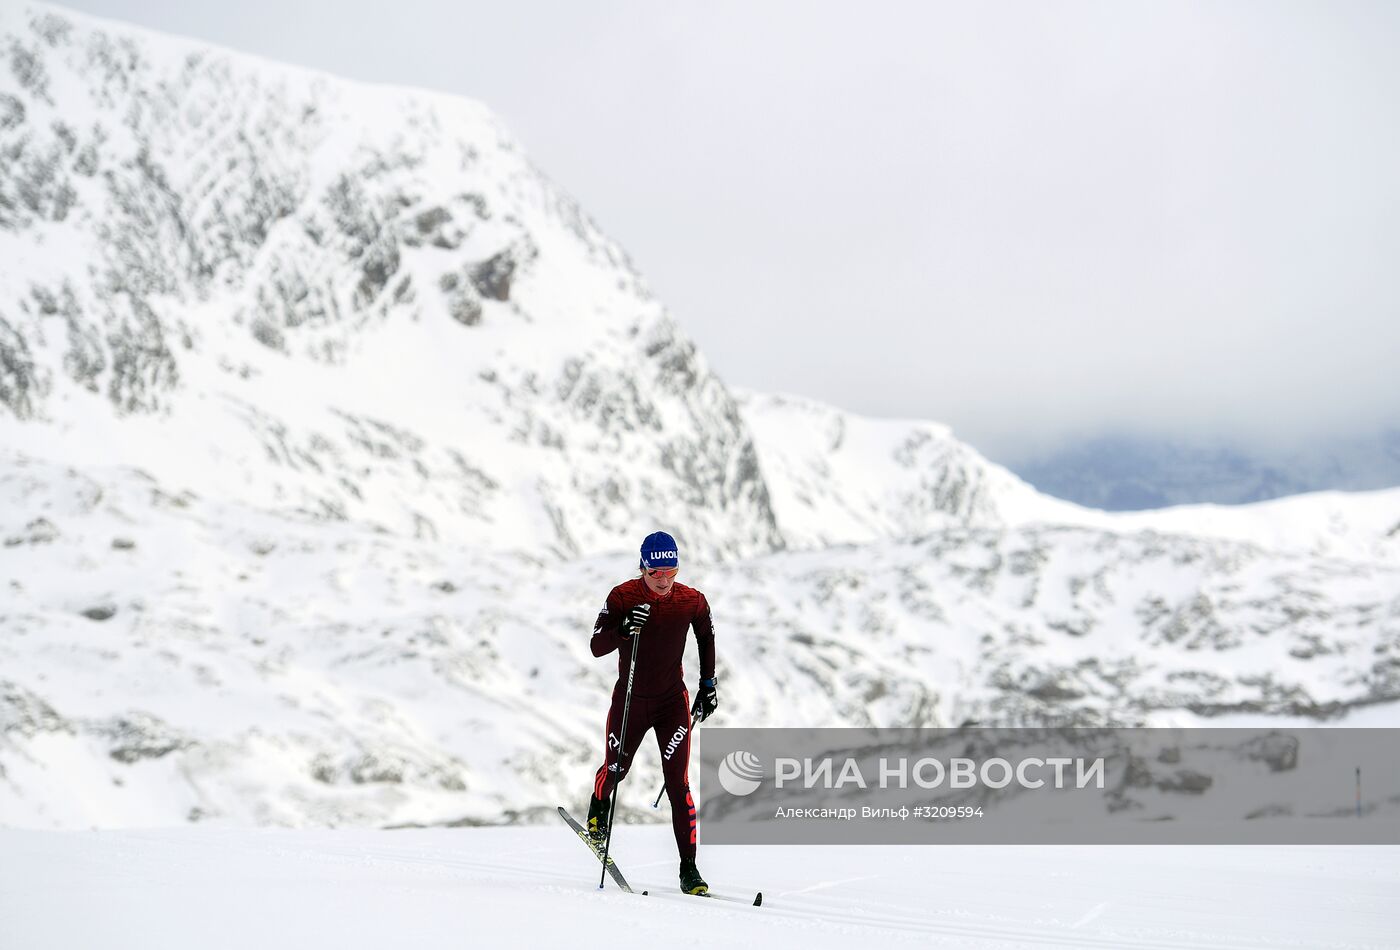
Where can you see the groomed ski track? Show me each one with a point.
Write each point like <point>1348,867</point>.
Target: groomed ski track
<point>535,887</point>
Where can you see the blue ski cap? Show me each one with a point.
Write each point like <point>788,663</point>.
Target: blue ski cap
<point>659,550</point>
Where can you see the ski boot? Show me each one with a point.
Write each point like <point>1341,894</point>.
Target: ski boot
<point>597,824</point>
<point>691,881</point>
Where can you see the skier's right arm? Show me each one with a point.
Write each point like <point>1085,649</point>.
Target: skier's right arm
<point>606,637</point>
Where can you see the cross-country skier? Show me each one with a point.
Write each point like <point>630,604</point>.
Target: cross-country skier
<point>652,614</point>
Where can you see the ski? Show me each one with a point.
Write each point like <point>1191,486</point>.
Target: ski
<point>756,902</point>
<point>611,865</point>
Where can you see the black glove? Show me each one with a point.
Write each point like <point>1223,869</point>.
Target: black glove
<point>633,619</point>
<point>706,700</point>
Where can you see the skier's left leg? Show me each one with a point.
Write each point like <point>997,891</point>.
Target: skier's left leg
<point>672,724</point>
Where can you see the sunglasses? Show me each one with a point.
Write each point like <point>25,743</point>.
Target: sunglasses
<point>663,572</point>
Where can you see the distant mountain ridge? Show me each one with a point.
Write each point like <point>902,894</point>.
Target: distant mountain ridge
<point>1132,473</point>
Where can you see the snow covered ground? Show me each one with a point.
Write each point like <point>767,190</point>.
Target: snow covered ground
<point>537,887</point>
<point>167,658</point>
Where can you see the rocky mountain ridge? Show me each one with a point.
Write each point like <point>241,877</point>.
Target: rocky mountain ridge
<point>365,300</point>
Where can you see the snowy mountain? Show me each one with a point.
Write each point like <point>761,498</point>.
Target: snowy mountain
<point>327,421</point>
<point>354,301</point>
<point>838,478</point>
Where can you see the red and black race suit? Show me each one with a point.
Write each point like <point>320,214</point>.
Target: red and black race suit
<point>659,697</point>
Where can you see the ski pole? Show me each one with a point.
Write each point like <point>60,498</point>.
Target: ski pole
<point>662,790</point>
<point>621,746</point>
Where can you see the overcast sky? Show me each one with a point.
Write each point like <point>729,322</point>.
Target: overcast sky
<point>1028,220</point>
